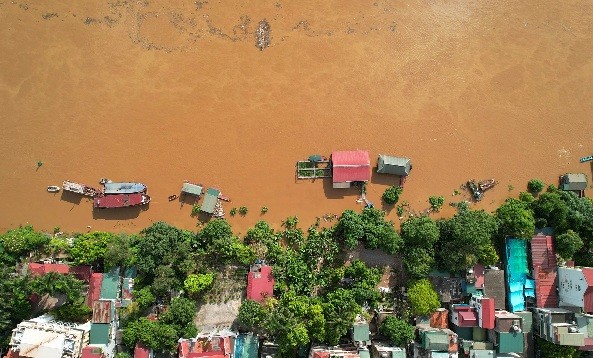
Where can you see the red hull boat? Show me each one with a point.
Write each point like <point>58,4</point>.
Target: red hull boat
<point>120,200</point>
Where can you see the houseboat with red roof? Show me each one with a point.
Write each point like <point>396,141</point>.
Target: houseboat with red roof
<point>120,200</point>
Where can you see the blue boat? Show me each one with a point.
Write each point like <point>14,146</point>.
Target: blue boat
<point>587,159</point>
<point>124,188</point>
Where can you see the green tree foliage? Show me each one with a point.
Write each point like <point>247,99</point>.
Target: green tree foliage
<point>526,197</point>
<point>436,202</point>
<point>340,310</point>
<point>220,246</point>
<point>153,334</point>
<point>144,298</point>
<point>14,302</point>
<point>369,227</point>
<point>54,283</point>
<point>90,248</point>
<point>261,233</point>
<point>196,284</point>
<point>568,244</point>
<point>72,313</point>
<point>123,355</point>
<point>550,350</point>
<point>399,332</point>
<point>58,245</point>
<point>553,209</point>
<point>535,186</point>
<point>119,251</point>
<point>318,248</point>
<point>465,239</point>
<point>422,297</point>
<point>515,219</point>
<point>163,252</point>
<point>181,311</point>
<point>253,316</point>
<point>350,229</point>
<point>20,241</point>
<point>391,194</point>
<point>164,281</point>
<point>417,262</point>
<point>419,231</point>
<point>362,282</point>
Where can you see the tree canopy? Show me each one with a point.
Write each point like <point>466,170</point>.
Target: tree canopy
<point>568,244</point>
<point>399,332</point>
<point>515,219</point>
<point>422,297</point>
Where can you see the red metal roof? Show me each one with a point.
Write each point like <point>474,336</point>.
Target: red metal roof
<point>260,284</point>
<point>217,347</point>
<point>92,352</point>
<point>467,318</point>
<point>349,166</point>
<point>94,292</point>
<point>487,313</point>
<point>542,252</point>
<point>120,200</point>
<point>42,269</point>
<point>140,351</point>
<point>82,272</point>
<point>588,297</point>
<point>544,265</point>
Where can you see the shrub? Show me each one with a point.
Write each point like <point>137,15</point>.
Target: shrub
<point>391,194</point>
<point>264,209</point>
<point>436,202</point>
<point>243,210</point>
<point>233,211</point>
<point>567,244</point>
<point>535,186</point>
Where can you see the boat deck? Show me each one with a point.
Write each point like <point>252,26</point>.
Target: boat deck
<point>120,200</point>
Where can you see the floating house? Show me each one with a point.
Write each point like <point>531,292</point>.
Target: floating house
<point>210,200</point>
<point>518,284</point>
<point>260,282</point>
<point>192,189</point>
<point>574,182</point>
<point>575,287</point>
<point>44,337</point>
<point>387,164</point>
<point>349,167</point>
<point>544,268</point>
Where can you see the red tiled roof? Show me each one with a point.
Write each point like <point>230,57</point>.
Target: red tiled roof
<point>349,166</point>
<point>41,269</point>
<point>260,284</point>
<point>203,347</point>
<point>140,351</point>
<point>94,292</point>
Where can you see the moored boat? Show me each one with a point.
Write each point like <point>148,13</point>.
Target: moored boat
<point>79,188</point>
<point>486,184</point>
<point>124,188</point>
<point>586,159</point>
<point>120,200</point>
<point>53,188</point>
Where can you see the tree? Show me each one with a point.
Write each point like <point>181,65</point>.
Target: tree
<point>252,316</point>
<point>14,302</point>
<point>379,233</point>
<point>340,310</point>
<point>535,186</point>
<point>550,350</point>
<point>155,335</point>
<point>436,202</point>
<point>422,297</point>
<point>400,332</point>
<point>22,240</point>
<point>553,209</point>
<point>362,281</point>
<point>418,262</point>
<point>419,231</point>
<point>164,281</point>
<point>515,219</point>
<point>261,233</point>
<point>391,194</point>
<point>90,248</point>
<point>196,284</point>
<point>568,244</point>
<point>144,298</point>
<point>119,251</point>
<point>181,311</point>
<point>319,248</point>
<point>220,246</point>
<point>464,239</point>
<point>349,229</point>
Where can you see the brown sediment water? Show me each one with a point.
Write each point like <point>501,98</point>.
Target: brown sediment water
<point>165,91</point>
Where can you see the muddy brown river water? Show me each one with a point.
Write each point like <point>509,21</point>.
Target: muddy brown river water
<point>165,91</point>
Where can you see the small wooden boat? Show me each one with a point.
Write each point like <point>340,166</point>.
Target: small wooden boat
<point>53,188</point>
<point>587,159</point>
<point>80,188</point>
<point>103,181</point>
<point>173,197</point>
<point>474,189</point>
<point>224,198</point>
<point>486,184</point>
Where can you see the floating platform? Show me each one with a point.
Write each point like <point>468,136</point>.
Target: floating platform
<point>120,200</point>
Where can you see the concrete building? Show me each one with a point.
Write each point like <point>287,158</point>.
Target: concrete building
<point>558,326</point>
<point>575,288</point>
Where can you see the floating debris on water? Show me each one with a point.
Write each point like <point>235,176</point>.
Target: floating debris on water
<point>262,35</point>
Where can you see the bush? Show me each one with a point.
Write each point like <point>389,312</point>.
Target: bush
<point>436,202</point>
<point>243,210</point>
<point>567,244</point>
<point>535,186</point>
<point>391,194</point>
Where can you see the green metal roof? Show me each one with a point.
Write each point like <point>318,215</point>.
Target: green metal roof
<point>439,354</point>
<point>482,353</point>
<point>364,353</point>
<point>192,189</point>
<point>99,333</point>
<point>438,341</point>
<point>110,285</point>
<point>210,200</point>
<point>247,346</point>
<point>360,332</point>
<point>393,165</point>
<point>510,342</point>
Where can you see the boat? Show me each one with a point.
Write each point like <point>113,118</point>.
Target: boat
<point>173,197</point>
<point>475,190</point>
<point>486,184</point>
<point>105,180</point>
<point>587,159</point>
<point>120,200</point>
<point>79,188</point>
<point>224,198</point>
<point>53,188</point>
<point>124,188</point>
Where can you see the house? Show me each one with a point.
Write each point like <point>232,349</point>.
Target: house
<point>574,182</point>
<point>247,346</point>
<point>81,272</point>
<point>494,287</point>
<point>383,350</point>
<point>435,340</point>
<point>92,352</point>
<point>192,189</point>
<point>140,351</point>
<point>360,334</point>
<point>463,315</point>
<point>260,282</point>
<point>575,288</point>
<point>44,337</point>
<point>338,351</point>
<point>485,309</point>
<point>127,288</point>
<point>439,318</point>
<point>449,289</point>
<point>349,167</point>
<point>394,165</point>
<point>210,200</point>
<point>519,285</point>
<point>219,344</point>
<point>110,285</point>
<point>507,335</point>
<point>558,326</point>
<point>94,291</point>
<point>544,268</point>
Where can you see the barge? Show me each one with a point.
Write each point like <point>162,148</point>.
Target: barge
<point>80,188</point>
<point>120,200</point>
<point>123,188</point>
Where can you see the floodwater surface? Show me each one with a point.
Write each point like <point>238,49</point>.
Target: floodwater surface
<point>165,91</point>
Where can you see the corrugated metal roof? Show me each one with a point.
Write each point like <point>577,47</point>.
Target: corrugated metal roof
<point>479,273</point>
<point>494,287</point>
<point>192,189</point>
<point>99,333</point>
<point>394,165</point>
<point>574,182</point>
<point>110,285</point>
<point>124,188</point>
<point>516,267</point>
<point>510,342</point>
<point>210,200</point>
<point>94,292</point>
<point>350,166</point>
<point>92,352</point>
<point>102,312</point>
<point>260,283</point>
